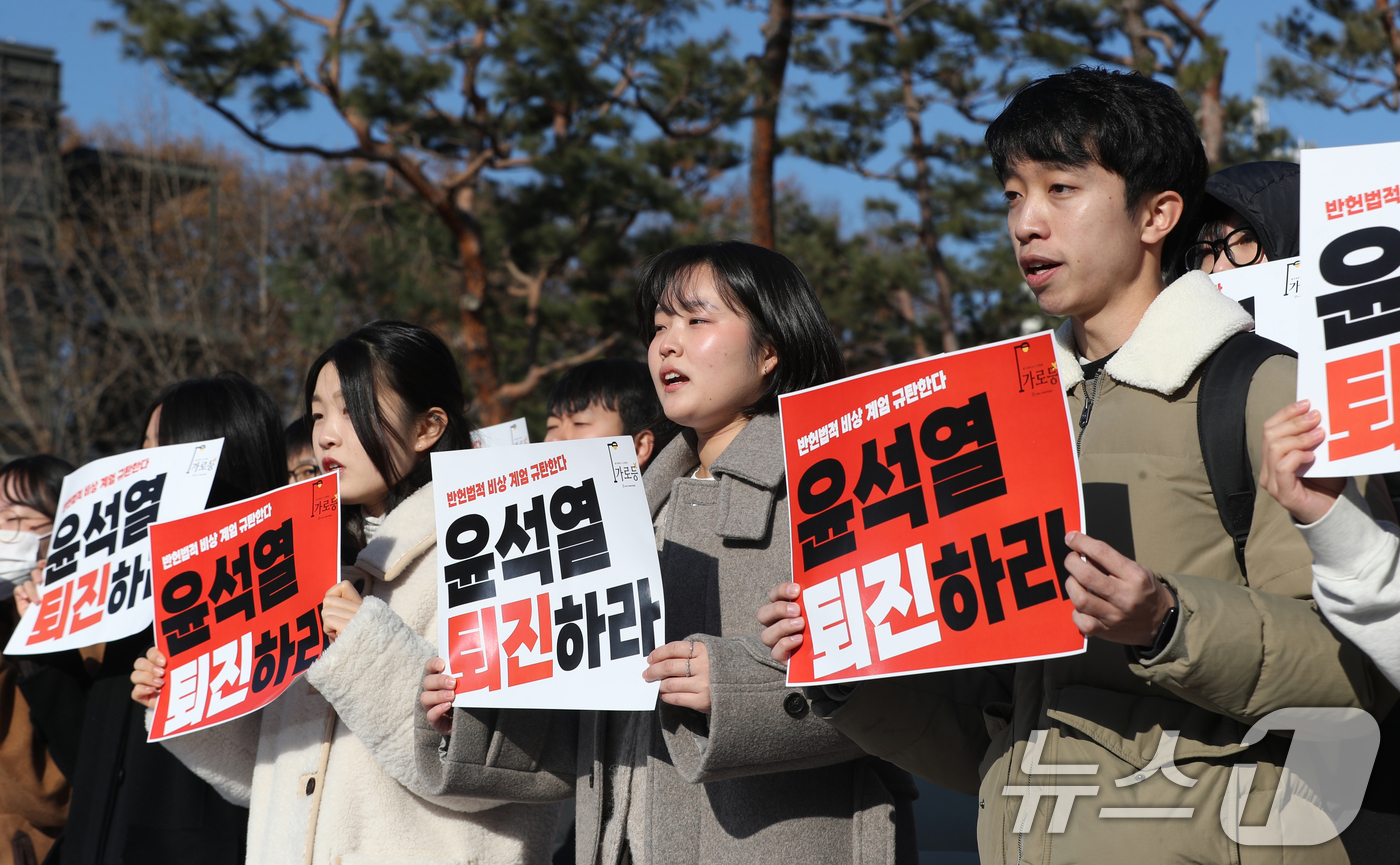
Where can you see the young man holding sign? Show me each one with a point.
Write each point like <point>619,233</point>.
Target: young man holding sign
<point>1188,649</point>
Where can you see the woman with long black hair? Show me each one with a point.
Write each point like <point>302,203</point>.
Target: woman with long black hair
<point>132,801</point>
<point>328,767</point>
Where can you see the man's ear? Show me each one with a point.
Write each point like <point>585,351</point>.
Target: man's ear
<point>431,425</point>
<point>1160,213</point>
<point>645,442</point>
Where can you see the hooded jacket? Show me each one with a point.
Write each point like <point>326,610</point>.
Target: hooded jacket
<point>1266,194</point>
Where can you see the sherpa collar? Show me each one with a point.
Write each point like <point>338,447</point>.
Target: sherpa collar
<point>1185,324</point>
<point>408,531</point>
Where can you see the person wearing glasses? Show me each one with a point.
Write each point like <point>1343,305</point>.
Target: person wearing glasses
<point>1249,216</point>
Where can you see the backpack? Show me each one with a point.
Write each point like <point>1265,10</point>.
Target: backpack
<point>1220,422</point>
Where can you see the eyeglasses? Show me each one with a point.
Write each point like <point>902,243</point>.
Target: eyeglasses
<point>1240,246</point>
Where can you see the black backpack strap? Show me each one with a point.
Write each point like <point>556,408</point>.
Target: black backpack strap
<point>1220,423</point>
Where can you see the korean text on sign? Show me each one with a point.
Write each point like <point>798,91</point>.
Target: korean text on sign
<point>97,584</point>
<point>1349,321</point>
<point>237,591</point>
<point>550,593</point>
<point>931,536</point>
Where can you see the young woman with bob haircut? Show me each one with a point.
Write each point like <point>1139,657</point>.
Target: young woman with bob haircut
<point>327,768</point>
<point>708,777</point>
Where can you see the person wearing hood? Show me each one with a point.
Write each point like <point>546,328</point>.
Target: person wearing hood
<point>1249,216</point>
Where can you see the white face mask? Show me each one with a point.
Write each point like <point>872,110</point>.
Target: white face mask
<point>19,555</point>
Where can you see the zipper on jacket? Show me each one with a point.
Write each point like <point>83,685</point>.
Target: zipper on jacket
<point>1090,394</point>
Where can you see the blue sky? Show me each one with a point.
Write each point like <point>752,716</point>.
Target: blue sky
<point>100,87</point>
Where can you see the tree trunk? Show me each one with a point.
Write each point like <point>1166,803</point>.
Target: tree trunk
<point>1212,114</point>
<point>772,66</point>
<point>480,359</point>
<point>928,231</point>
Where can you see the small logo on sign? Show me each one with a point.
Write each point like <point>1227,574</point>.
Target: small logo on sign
<point>324,502</point>
<point>201,463</point>
<point>623,472</point>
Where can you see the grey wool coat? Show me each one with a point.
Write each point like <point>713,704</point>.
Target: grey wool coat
<point>761,777</point>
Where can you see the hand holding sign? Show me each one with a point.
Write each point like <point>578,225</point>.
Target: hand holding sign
<point>1291,437</point>
<point>683,669</point>
<point>341,604</point>
<point>782,621</point>
<point>1114,597</point>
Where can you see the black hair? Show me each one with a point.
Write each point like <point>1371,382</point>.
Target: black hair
<point>35,482</point>
<point>298,436</point>
<point>615,384</point>
<point>767,289</point>
<point>1126,123</point>
<point>395,358</point>
<point>230,407</point>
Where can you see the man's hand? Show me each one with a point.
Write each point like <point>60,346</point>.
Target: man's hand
<point>683,668</point>
<point>782,621</point>
<point>1114,597</point>
<point>341,604</point>
<point>1290,438</point>
<point>438,692</point>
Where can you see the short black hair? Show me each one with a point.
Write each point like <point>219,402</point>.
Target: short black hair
<point>298,436</point>
<point>1126,123</point>
<point>412,363</point>
<point>35,481</point>
<point>767,289</point>
<point>616,384</point>
<point>230,407</point>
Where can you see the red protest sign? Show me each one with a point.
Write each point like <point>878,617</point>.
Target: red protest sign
<point>929,504</point>
<point>237,596</point>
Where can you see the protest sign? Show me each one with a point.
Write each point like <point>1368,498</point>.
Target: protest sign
<point>1268,292</point>
<point>512,432</point>
<point>929,505</point>
<point>1349,348</point>
<point>549,593</point>
<point>97,584</point>
<point>1271,293</point>
<point>237,592</point>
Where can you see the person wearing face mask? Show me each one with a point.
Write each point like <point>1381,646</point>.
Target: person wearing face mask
<point>327,769</point>
<point>132,801</point>
<point>33,791</point>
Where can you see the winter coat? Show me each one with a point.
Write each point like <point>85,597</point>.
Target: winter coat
<point>1242,647</point>
<point>1266,194</point>
<point>33,792</point>
<point>1356,578</point>
<point>325,767</point>
<point>760,779</point>
<point>132,801</point>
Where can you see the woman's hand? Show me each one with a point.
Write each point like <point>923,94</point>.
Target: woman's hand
<point>1290,438</point>
<point>782,621</point>
<point>438,691</point>
<point>27,593</point>
<point>148,677</point>
<point>683,669</point>
<point>341,604</point>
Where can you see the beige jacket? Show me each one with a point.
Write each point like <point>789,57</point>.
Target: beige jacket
<point>1241,649</point>
<point>323,768</point>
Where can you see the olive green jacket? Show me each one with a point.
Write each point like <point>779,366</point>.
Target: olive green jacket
<point>1242,647</point>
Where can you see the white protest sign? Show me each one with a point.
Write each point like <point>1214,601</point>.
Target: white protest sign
<point>512,432</point>
<point>1270,293</point>
<point>1349,348</point>
<point>549,591</point>
<point>97,584</point>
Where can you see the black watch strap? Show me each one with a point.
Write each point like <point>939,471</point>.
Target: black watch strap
<point>1164,636</point>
